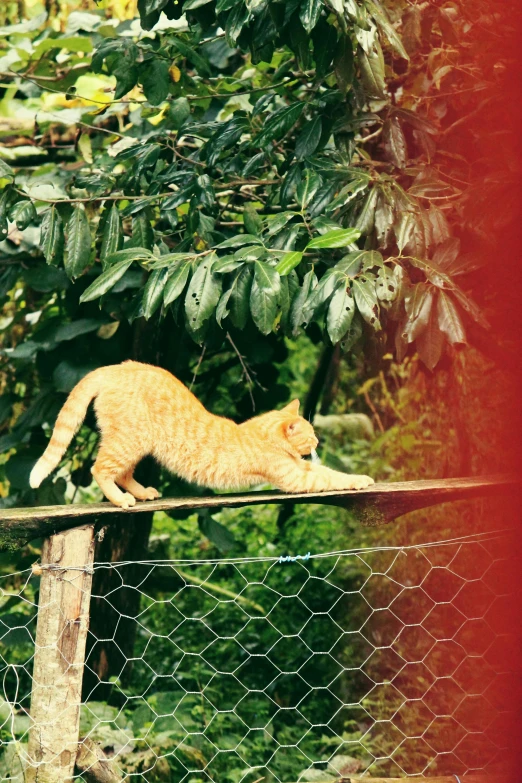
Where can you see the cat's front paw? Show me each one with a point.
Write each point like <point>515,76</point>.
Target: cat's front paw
<point>346,481</point>
<point>151,494</point>
<point>359,482</point>
<point>127,501</point>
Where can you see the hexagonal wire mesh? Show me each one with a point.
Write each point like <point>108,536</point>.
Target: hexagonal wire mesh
<point>387,660</point>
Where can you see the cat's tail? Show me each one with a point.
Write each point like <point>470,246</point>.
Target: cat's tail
<point>68,422</point>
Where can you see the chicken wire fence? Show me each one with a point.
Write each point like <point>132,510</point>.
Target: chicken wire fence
<point>382,661</point>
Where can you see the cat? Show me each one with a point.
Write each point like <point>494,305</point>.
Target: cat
<point>142,409</point>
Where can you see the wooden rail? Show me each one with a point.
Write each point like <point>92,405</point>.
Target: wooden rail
<point>376,505</point>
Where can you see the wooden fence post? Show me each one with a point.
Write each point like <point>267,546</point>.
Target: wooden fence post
<point>61,633</point>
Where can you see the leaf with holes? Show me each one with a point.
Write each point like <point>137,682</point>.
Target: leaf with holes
<point>52,238</point>
<point>78,243</point>
<point>366,300</point>
<point>340,313</point>
<point>202,294</point>
<point>264,296</point>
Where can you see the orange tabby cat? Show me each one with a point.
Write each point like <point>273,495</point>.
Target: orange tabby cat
<point>145,410</point>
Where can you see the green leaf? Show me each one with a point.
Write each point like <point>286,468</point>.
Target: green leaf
<point>309,13</point>
<point>216,533</point>
<point>385,26</point>
<point>112,234</point>
<point>290,184</point>
<point>200,63</point>
<point>22,213</point>
<point>239,301</point>
<point>154,76</point>
<point>298,311</point>
<point>264,296</point>
<point>387,284</point>
<point>337,238</point>
<point>307,188</point>
<point>176,282</point>
<point>239,241</point>
<point>366,218</point>
<point>78,243</point>
<point>153,293</point>
<point>277,222</point>
<point>366,300</point>
<point>430,343</point>
<point>288,262</point>
<point>449,319</point>
<point>142,233</point>
<point>202,294</point>
<point>418,303</point>
<point>52,238</point>
<point>372,71</point>
<point>6,172</point>
<point>236,20</point>
<point>344,63</point>
<point>447,253</point>
<point>129,254</point>
<point>227,264</point>
<point>309,138</point>
<point>439,225</point>
<point>395,142</point>
<point>340,313</point>
<point>253,223</point>
<point>404,230</point>
<point>105,281</point>
<point>279,123</point>
<point>179,111</point>
<point>321,294</point>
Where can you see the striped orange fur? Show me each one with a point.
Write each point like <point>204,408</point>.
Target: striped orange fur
<point>144,410</point>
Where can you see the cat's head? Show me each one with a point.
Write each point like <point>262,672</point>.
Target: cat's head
<point>288,424</point>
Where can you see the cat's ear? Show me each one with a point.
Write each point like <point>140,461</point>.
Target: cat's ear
<point>292,408</point>
<point>290,427</point>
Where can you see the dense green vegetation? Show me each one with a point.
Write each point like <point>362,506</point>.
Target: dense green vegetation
<point>255,195</point>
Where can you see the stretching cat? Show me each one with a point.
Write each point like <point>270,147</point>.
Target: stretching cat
<point>143,410</point>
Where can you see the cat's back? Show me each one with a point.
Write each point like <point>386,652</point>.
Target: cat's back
<point>139,384</point>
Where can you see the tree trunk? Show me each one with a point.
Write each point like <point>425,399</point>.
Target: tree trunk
<point>113,627</point>
<point>61,632</point>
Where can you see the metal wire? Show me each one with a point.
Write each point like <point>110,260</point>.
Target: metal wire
<point>293,668</point>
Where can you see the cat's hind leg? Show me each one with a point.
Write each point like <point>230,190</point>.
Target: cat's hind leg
<point>129,483</point>
<point>106,470</point>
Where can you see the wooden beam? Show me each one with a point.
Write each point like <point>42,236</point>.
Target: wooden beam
<point>376,505</point>
<point>61,633</point>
